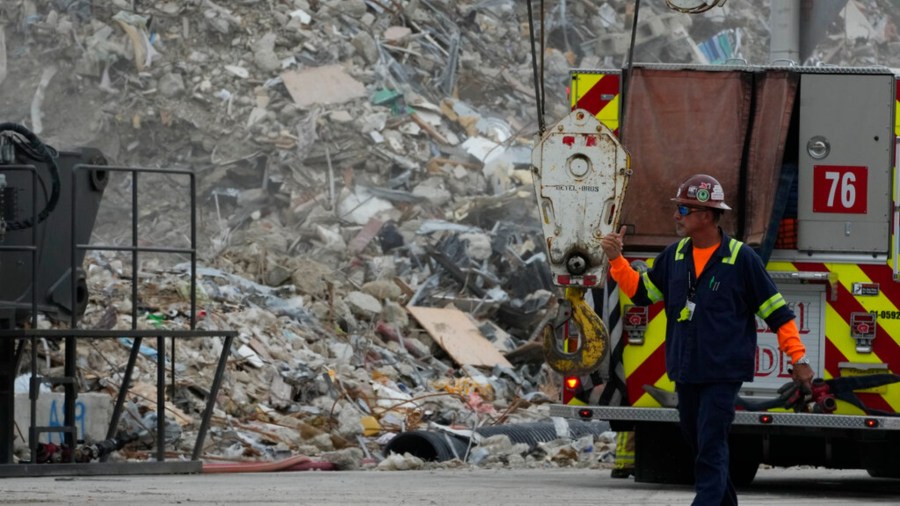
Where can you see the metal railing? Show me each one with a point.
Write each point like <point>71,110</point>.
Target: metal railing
<point>73,333</point>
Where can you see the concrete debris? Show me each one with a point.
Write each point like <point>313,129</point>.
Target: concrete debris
<point>364,201</point>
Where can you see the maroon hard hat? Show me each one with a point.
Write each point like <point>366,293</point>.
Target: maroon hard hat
<point>701,190</point>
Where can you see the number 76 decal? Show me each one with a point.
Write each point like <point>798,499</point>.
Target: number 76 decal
<point>840,189</point>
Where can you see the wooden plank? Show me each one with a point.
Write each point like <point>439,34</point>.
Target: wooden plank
<point>458,336</point>
<point>328,84</point>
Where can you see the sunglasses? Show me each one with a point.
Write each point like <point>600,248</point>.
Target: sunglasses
<point>685,210</point>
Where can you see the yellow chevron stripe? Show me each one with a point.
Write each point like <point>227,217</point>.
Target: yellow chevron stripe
<point>609,115</point>
<point>663,383</point>
<point>851,273</point>
<point>897,117</point>
<point>835,324</point>
<point>892,396</point>
<point>634,356</point>
<point>836,328</point>
<point>837,331</point>
<point>654,337</point>
<point>645,401</point>
<point>781,266</point>
<point>582,85</point>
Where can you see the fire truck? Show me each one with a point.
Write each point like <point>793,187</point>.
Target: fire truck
<point>807,158</point>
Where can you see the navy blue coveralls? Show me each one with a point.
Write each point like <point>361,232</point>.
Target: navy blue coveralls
<point>712,351</point>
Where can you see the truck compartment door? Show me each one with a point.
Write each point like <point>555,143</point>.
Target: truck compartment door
<point>845,153</point>
<point>808,303</point>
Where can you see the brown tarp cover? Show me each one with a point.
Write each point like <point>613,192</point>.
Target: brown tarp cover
<point>775,93</point>
<point>679,123</point>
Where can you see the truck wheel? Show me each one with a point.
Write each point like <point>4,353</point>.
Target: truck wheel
<point>884,472</point>
<point>879,454</point>
<point>743,471</point>
<point>745,455</point>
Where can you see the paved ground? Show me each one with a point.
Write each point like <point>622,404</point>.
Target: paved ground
<point>795,487</point>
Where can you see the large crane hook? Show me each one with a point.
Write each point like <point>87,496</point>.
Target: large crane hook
<point>694,6</point>
<point>575,342</point>
<point>581,173</point>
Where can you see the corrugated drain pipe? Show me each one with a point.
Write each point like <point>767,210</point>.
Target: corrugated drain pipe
<point>441,446</point>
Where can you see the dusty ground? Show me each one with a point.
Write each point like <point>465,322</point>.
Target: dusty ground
<point>798,487</point>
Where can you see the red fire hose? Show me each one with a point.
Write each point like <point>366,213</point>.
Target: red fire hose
<point>295,463</point>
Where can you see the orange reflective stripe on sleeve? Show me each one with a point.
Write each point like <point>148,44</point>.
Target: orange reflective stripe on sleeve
<point>625,275</point>
<point>789,341</point>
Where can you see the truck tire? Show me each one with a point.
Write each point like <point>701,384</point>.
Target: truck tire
<point>879,454</point>
<point>661,455</point>
<point>745,455</point>
<point>743,471</point>
<point>884,472</point>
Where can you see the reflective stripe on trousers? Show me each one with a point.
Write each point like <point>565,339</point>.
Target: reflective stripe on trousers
<point>624,450</point>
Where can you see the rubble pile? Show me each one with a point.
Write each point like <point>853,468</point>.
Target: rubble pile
<point>366,214</point>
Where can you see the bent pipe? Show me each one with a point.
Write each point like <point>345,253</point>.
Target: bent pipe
<point>430,446</point>
<point>441,446</point>
<point>543,432</point>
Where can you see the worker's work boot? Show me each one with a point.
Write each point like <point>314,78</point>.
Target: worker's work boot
<point>622,472</point>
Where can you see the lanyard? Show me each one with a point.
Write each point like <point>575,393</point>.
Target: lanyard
<point>693,280</point>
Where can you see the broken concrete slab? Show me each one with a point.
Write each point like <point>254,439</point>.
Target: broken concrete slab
<point>93,412</point>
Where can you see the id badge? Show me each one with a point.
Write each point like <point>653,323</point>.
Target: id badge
<point>687,312</point>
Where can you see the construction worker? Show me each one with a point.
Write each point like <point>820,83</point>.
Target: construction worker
<point>624,465</point>
<point>713,287</point>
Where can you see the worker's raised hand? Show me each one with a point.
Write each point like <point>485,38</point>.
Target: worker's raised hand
<point>613,242</point>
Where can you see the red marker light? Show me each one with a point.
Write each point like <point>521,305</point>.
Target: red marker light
<point>765,418</point>
<point>585,413</point>
<point>871,423</point>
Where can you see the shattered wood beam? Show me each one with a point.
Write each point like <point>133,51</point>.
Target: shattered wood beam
<point>429,129</point>
<point>342,156</point>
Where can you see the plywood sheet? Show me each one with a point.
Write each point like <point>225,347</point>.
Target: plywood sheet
<point>324,85</point>
<point>458,336</point>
